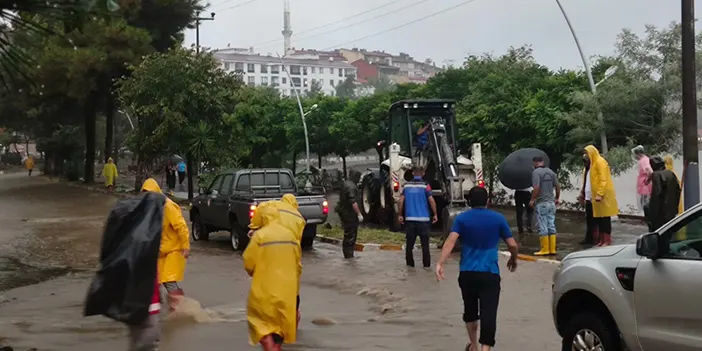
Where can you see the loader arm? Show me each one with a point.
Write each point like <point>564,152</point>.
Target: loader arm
<point>445,160</point>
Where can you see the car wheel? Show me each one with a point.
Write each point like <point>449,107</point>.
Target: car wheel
<point>590,331</point>
<point>238,240</point>
<point>199,230</point>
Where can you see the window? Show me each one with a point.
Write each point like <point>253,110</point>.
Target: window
<point>331,82</point>
<point>226,188</point>
<point>251,80</point>
<point>215,184</point>
<point>685,238</point>
<point>304,71</point>
<point>251,68</point>
<point>285,80</point>
<point>238,67</point>
<point>296,82</point>
<point>341,72</point>
<point>227,66</point>
<point>264,81</point>
<point>321,70</point>
<point>243,183</point>
<point>331,70</point>
<point>264,68</point>
<point>275,69</point>
<point>275,81</point>
<point>295,70</point>
<point>313,69</point>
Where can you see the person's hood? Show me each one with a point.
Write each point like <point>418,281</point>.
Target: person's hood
<point>290,200</point>
<point>657,163</point>
<point>269,214</point>
<point>668,162</point>
<point>110,160</point>
<point>151,185</point>
<point>592,153</point>
<point>639,149</point>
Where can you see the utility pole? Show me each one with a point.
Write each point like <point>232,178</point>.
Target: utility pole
<point>197,28</point>
<point>691,182</point>
<point>189,164</point>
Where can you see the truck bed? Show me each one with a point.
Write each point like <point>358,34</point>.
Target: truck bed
<point>310,206</point>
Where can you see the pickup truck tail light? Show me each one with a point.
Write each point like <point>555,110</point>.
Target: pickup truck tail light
<point>252,209</point>
<point>325,207</point>
<point>481,183</point>
<point>395,186</point>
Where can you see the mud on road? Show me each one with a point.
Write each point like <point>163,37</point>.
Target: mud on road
<point>373,302</point>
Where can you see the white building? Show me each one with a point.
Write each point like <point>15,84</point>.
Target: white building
<point>259,70</point>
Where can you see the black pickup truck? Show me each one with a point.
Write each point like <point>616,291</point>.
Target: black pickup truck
<point>228,203</point>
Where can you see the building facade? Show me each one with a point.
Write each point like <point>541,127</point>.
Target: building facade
<point>260,70</point>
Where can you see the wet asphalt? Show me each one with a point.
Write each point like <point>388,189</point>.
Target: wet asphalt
<point>49,241</point>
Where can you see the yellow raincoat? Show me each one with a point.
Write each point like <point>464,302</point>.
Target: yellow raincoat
<point>669,166</point>
<point>272,259</point>
<point>29,163</point>
<point>290,217</point>
<point>109,172</point>
<point>175,238</point>
<point>602,185</point>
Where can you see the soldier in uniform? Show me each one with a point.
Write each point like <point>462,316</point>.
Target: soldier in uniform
<point>350,216</point>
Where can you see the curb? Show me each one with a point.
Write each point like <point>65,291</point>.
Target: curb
<point>577,212</point>
<point>530,258</point>
<point>365,246</point>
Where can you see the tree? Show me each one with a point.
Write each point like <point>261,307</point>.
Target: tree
<point>347,88</point>
<point>172,94</point>
<point>381,84</point>
<point>315,89</point>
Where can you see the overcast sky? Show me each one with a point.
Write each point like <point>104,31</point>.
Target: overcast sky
<point>476,27</point>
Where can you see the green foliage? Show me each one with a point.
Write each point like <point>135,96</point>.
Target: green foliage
<point>347,88</point>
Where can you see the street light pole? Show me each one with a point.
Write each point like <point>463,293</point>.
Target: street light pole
<point>302,114</point>
<point>197,28</point>
<point>593,86</point>
<point>691,183</point>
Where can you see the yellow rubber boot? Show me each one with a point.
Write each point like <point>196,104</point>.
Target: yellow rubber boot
<point>552,244</point>
<point>543,241</point>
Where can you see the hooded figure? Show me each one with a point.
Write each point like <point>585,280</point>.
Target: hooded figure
<point>669,166</point>
<point>643,185</point>
<point>290,217</point>
<point>272,259</point>
<point>109,172</point>
<point>175,246</point>
<point>29,164</point>
<point>604,198</point>
<point>665,196</point>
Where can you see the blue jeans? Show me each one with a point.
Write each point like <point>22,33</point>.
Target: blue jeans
<point>546,218</point>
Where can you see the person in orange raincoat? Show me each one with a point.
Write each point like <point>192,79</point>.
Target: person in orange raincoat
<point>175,246</point>
<point>272,259</point>
<point>604,198</point>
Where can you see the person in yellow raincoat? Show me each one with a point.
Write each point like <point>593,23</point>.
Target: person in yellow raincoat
<point>29,164</point>
<point>109,172</point>
<point>604,198</point>
<point>272,259</point>
<point>175,246</point>
<point>290,217</point>
<point>682,233</point>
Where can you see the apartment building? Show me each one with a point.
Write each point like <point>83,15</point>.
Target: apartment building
<point>305,70</point>
<point>401,68</point>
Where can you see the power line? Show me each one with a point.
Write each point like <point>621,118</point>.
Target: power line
<point>402,25</point>
<point>235,5</point>
<point>335,22</point>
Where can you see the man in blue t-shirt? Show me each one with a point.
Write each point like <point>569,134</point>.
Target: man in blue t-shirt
<point>479,231</point>
<point>415,201</point>
<point>181,173</point>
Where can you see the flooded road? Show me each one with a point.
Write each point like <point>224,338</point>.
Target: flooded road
<point>372,302</point>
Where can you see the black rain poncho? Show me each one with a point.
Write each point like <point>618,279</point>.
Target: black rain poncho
<point>123,286</point>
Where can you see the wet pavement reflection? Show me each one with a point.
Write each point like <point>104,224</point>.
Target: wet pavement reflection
<point>373,302</point>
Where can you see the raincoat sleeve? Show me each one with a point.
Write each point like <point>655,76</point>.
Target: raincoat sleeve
<point>602,176</point>
<point>174,216</point>
<point>251,255</point>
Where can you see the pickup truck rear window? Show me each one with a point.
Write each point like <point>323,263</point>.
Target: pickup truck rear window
<point>284,180</point>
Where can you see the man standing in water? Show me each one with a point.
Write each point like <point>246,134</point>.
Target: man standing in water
<point>175,247</point>
<point>350,215</point>
<point>479,231</point>
<point>543,200</point>
<point>415,201</point>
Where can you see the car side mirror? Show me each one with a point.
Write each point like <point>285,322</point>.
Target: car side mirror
<point>648,246</point>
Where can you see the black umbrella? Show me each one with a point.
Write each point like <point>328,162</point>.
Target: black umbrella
<point>515,170</point>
